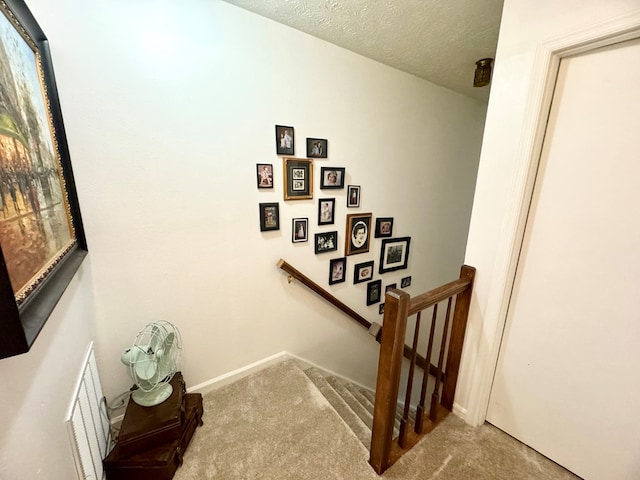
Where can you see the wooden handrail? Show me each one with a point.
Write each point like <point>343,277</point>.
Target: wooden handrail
<point>398,306</point>
<point>323,293</point>
<point>430,298</point>
<point>302,278</point>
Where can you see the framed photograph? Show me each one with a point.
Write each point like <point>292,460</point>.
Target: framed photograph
<point>394,254</point>
<point>326,207</point>
<point>391,286</point>
<point>384,227</point>
<point>316,148</point>
<point>269,217</point>
<point>284,140</point>
<point>405,282</point>
<point>353,196</point>
<point>363,272</point>
<point>381,309</point>
<point>298,179</point>
<point>299,230</point>
<point>332,177</point>
<point>358,233</point>
<point>326,242</point>
<point>265,175</point>
<point>337,270</point>
<point>42,242</point>
<point>374,292</point>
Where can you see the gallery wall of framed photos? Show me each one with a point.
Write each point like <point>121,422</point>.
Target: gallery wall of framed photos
<point>358,248</point>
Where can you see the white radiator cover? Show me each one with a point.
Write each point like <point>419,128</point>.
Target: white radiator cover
<point>88,421</point>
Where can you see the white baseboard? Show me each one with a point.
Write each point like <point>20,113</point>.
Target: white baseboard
<point>460,412</point>
<point>234,375</point>
<point>304,364</point>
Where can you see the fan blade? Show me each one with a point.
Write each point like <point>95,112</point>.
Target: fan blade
<point>147,368</point>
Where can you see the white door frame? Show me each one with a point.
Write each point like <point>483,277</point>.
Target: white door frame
<point>544,75</point>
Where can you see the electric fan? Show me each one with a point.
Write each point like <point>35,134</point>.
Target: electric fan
<point>152,362</point>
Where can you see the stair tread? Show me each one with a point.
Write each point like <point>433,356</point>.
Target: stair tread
<point>359,409</point>
<point>355,423</point>
<point>364,401</point>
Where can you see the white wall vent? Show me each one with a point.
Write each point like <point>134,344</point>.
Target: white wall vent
<point>88,422</point>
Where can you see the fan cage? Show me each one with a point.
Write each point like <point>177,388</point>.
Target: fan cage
<point>152,337</point>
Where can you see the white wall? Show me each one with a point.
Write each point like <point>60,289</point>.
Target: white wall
<point>168,107</point>
<point>37,388</point>
<point>507,151</point>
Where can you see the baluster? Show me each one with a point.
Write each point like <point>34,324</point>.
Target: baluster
<point>425,374</point>
<point>436,389</point>
<point>402,440</point>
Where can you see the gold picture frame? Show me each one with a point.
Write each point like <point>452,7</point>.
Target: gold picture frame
<point>42,241</point>
<point>298,179</point>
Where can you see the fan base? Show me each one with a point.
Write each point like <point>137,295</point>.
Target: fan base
<point>154,397</point>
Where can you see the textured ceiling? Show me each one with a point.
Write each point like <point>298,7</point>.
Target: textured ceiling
<point>438,40</point>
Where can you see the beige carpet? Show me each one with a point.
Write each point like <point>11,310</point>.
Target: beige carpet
<point>275,424</point>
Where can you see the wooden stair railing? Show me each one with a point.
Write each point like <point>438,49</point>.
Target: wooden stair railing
<point>399,306</point>
<point>375,329</point>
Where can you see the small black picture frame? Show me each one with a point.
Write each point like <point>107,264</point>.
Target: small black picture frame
<point>358,233</point>
<point>269,216</point>
<point>374,292</point>
<point>326,209</point>
<point>381,309</point>
<point>337,270</point>
<point>405,282</point>
<point>299,230</point>
<point>285,141</point>
<point>316,148</point>
<point>332,177</point>
<point>326,242</point>
<point>384,227</point>
<point>363,272</point>
<point>353,196</point>
<point>394,254</point>
<point>391,286</point>
<point>265,175</point>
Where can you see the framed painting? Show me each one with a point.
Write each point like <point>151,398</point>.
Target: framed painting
<point>326,242</point>
<point>405,282</point>
<point>42,242</point>
<point>265,175</point>
<point>394,254</point>
<point>337,270</point>
<point>316,148</point>
<point>358,233</point>
<point>363,272</point>
<point>332,177</point>
<point>353,196</point>
<point>298,179</point>
<point>384,227</point>
<point>299,230</point>
<point>269,217</point>
<point>326,207</point>
<point>284,140</point>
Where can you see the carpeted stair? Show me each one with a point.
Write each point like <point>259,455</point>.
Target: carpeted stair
<point>354,404</point>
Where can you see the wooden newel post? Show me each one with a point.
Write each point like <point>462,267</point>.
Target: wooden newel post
<point>460,315</point>
<point>388,382</point>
